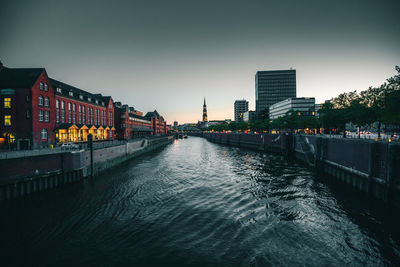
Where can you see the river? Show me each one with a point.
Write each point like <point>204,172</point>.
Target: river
<point>200,204</point>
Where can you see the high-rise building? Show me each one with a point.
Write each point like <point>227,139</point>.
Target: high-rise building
<point>272,87</point>
<point>241,106</point>
<point>205,119</point>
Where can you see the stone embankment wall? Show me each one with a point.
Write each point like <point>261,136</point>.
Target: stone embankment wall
<point>28,174</point>
<point>369,166</point>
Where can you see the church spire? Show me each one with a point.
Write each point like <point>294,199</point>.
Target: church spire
<point>205,119</point>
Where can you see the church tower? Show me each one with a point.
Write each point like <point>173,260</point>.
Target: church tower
<point>205,111</point>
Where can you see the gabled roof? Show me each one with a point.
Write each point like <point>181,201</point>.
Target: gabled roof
<point>152,114</point>
<point>138,117</point>
<point>19,77</point>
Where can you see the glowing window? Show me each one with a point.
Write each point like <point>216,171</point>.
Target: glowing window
<point>7,120</point>
<point>7,102</point>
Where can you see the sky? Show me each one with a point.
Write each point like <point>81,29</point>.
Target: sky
<point>169,55</point>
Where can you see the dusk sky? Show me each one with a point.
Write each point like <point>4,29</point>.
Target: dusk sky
<point>168,55</point>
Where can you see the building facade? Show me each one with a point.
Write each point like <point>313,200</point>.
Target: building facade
<point>79,113</point>
<point>302,106</point>
<point>273,87</point>
<point>240,107</point>
<point>27,108</point>
<point>158,123</point>
<point>131,123</point>
<point>249,116</point>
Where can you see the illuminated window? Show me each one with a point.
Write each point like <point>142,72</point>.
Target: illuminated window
<point>7,120</point>
<point>313,113</point>
<point>43,134</point>
<point>7,102</point>
<point>40,100</point>
<point>299,113</point>
<point>46,102</point>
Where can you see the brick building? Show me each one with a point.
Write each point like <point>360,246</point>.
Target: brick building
<point>79,113</point>
<point>158,123</point>
<point>27,108</point>
<point>37,111</point>
<point>131,123</point>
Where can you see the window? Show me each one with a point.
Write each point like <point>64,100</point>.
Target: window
<point>46,102</point>
<point>83,115</point>
<point>110,119</point>
<point>28,98</point>
<point>57,115</point>
<point>62,111</point>
<point>40,115</point>
<point>7,102</point>
<point>57,103</point>
<point>89,99</point>
<point>28,113</point>
<point>47,116</point>
<point>43,134</point>
<point>97,101</point>
<point>71,93</point>
<point>59,90</point>
<point>40,100</point>
<point>7,120</point>
<point>69,113</point>
<point>41,86</point>
<point>81,97</point>
<point>74,113</point>
<point>46,87</point>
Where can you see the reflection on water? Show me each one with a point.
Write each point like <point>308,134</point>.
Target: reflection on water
<point>199,203</point>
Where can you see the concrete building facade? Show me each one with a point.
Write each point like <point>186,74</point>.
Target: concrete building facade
<point>240,107</point>
<point>272,87</point>
<point>303,106</point>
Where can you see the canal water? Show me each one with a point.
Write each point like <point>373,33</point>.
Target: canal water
<point>200,204</point>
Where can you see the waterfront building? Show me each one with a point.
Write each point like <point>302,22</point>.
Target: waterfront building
<point>131,123</point>
<point>27,108</point>
<point>158,123</point>
<point>175,125</point>
<point>240,107</point>
<point>37,111</point>
<point>79,113</point>
<point>303,106</point>
<point>249,116</point>
<point>272,87</point>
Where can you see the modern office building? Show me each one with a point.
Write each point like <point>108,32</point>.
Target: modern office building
<point>303,106</point>
<point>273,87</point>
<point>240,107</point>
<point>249,116</point>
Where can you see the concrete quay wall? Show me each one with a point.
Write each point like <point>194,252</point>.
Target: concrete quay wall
<point>31,174</point>
<point>368,166</point>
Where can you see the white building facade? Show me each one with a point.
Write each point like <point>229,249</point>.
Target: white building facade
<point>303,106</point>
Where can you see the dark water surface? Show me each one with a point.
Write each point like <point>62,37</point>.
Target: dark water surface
<point>198,203</point>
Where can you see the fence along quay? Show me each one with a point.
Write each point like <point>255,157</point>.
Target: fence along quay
<point>365,165</point>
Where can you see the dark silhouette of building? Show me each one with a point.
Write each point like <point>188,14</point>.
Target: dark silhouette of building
<point>241,106</point>
<point>205,118</point>
<point>272,87</point>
